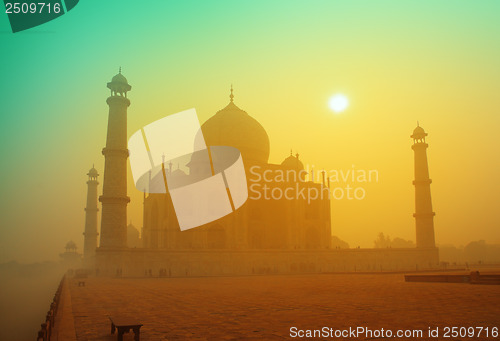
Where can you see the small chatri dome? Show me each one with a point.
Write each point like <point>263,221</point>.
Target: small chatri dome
<point>93,172</point>
<point>418,133</point>
<point>119,83</point>
<point>119,78</point>
<point>70,246</point>
<point>292,162</point>
<point>178,173</point>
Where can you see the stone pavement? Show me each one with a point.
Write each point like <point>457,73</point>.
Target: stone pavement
<point>265,307</point>
<point>64,321</point>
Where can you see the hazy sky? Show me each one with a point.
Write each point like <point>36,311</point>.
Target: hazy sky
<point>398,62</point>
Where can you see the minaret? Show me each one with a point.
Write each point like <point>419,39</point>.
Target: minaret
<point>90,234</point>
<point>114,197</point>
<point>424,216</point>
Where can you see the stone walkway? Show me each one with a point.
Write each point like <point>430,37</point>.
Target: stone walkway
<point>265,307</point>
<point>64,322</point>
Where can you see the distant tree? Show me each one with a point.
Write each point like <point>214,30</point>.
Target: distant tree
<point>476,251</point>
<point>480,251</point>
<point>402,243</point>
<point>452,254</point>
<point>338,243</point>
<point>384,242</point>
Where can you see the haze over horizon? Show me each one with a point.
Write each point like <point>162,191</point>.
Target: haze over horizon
<point>396,62</point>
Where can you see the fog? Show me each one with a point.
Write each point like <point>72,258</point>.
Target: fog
<point>26,291</point>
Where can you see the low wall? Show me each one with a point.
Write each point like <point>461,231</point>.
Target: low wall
<point>473,278</point>
<point>438,278</point>
<point>47,328</point>
<point>165,263</point>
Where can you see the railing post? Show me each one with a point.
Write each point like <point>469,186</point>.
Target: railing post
<point>44,334</point>
<point>44,331</point>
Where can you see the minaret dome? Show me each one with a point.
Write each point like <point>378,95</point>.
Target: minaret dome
<point>419,134</point>
<point>119,85</point>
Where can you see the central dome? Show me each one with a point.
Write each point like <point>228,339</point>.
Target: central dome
<point>233,127</point>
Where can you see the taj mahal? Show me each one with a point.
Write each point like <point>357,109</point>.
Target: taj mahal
<point>285,235</point>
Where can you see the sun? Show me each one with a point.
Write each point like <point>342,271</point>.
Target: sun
<point>338,103</point>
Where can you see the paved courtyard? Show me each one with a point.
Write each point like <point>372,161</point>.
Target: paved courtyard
<point>266,307</point>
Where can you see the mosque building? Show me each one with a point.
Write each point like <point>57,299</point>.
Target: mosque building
<point>266,223</point>
<point>284,234</point>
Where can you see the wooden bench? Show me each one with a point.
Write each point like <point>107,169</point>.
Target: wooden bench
<point>124,325</point>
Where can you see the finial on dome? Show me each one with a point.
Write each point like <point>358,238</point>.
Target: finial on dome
<point>297,156</point>
<point>291,153</point>
<point>231,96</point>
<point>418,125</point>
<point>120,70</point>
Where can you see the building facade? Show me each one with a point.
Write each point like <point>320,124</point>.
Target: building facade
<point>268,220</point>
<point>268,234</point>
